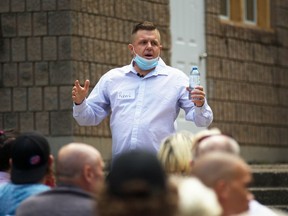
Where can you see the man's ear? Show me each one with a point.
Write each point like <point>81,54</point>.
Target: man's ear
<point>51,160</point>
<point>222,189</point>
<point>130,47</point>
<point>88,173</point>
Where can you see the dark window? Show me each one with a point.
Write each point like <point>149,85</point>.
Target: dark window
<point>250,11</point>
<point>224,8</point>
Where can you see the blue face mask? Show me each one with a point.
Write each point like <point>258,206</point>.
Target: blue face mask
<point>145,64</point>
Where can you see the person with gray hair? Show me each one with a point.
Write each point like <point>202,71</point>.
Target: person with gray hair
<point>212,140</point>
<point>79,171</point>
<point>217,142</point>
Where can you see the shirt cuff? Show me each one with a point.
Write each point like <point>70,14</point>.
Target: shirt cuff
<point>79,108</point>
<point>204,110</point>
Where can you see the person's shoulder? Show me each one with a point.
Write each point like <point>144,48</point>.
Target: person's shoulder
<point>116,72</point>
<point>65,193</point>
<point>176,73</point>
<point>32,205</point>
<point>256,208</point>
<point>39,186</point>
<point>6,186</point>
<point>119,70</point>
<point>36,201</point>
<point>4,190</point>
<point>173,71</point>
<point>3,185</point>
<point>34,188</point>
<point>32,199</point>
<point>75,191</point>
<point>75,201</point>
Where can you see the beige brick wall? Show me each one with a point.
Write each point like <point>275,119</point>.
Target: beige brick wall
<point>46,44</point>
<point>247,77</point>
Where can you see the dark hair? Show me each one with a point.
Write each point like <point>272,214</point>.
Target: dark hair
<point>6,140</point>
<point>146,25</point>
<point>161,204</point>
<point>136,185</point>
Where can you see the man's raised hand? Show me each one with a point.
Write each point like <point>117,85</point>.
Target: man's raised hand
<point>79,93</point>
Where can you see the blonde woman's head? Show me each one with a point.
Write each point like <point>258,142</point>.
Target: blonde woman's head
<point>175,153</point>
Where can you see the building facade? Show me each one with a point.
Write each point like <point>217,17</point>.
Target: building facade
<point>247,75</point>
<point>47,44</point>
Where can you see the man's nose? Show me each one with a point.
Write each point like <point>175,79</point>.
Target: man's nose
<point>149,44</point>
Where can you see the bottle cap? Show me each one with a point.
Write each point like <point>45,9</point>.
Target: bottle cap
<point>194,68</point>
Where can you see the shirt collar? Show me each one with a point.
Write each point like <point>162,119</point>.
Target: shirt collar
<point>159,70</point>
<point>4,177</point>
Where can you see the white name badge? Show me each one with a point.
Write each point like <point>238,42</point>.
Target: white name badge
<point>126,94</point>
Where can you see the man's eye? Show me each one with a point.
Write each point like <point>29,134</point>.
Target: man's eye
<point>154,43</point>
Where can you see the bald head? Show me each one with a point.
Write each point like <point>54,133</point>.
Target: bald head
<point>229,176</point>
<point>72,158</point>
<point>77,162</point>
<point>216,166</point>
<point>217,142</point>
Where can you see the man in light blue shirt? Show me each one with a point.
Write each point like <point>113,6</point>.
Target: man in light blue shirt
<point>31,160</point>
<point>143,98</point>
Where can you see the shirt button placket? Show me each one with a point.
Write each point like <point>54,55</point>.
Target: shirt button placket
<point>137,116</point>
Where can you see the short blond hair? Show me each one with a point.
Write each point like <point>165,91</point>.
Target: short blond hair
<point>175,153</point>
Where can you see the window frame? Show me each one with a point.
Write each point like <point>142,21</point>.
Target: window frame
<point>237,14</point>
<point>255,12</point>
<point>227,16</point>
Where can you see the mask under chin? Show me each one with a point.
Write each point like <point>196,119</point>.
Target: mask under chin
<point>145,64</point>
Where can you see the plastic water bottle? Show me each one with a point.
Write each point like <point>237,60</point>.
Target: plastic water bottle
<point>194,78</point>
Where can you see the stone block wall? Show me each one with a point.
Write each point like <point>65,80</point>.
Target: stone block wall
<point>247,78</point>
<point>47,44</point>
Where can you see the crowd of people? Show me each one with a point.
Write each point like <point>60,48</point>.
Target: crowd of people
<point>199,174</point>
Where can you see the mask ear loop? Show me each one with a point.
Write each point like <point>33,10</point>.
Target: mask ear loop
<point>134,55</point>
<point>134,52</point>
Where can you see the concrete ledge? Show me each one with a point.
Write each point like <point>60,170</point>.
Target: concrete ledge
<point>271,196</point>
<point>260,154</point>
<point>104,145</point>
<point>270,179</point>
